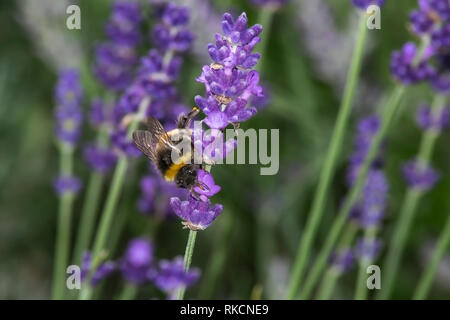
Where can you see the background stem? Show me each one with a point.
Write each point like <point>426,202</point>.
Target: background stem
<point>354,193</point>
<point>330,161</point>
<point>62,243</point>
<point>427,278</point>
<point>408,209</point>
<point>361,289</point>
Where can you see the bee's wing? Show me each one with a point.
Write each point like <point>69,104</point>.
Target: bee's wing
<point>159,135</point>
<point>144,142</point>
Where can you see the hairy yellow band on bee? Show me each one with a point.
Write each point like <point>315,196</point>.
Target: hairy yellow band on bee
<point>170,173</point>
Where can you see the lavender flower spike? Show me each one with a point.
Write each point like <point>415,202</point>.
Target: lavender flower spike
<point>171,276</point>
<point>197,215</point>
<point>230,80</point>
<point>68,96</point>
<point>206,185</point>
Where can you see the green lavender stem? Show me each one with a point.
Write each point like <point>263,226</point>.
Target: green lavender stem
<point>64,226</point>
<point>330,162</point>
<point>427,278</point>
<point>332,275</point>
<point>340,220</point>
<point>361,282</point>
<point>90,206</point>
<point>111,201</point>
<point>107,217</point>
<point>408,209</point>
<point>88,215</point>
<point>129,292</point>
<point>188,258</point>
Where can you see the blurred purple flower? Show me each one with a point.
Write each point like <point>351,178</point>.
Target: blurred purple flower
<point>116,59</point>
<point>171,276</point>
<point>374,203</point>
<point>421,22</point>
<point>155,196</point>
<point>68,114</point>
<point>363,4</point>
<point>419,176</point>
<point>342,260</point>
<point>428,121</point>
<point>103,270</point>
<point>403,68</point>
<point>172,32</point>
<point>67,184</point>
<point>367,249</point>
<point>156,75</point>
<point>119,139</point>
<point>197,215</point>
<point>100,159</point>
<point>367,129</point>
<point>137,263</point>
<point>124,23</point>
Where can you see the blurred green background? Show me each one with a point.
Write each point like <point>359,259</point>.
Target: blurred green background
<point>253,243</point>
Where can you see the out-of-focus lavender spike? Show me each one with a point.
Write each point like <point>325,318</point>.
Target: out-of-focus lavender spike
<point>204,23</point>
<point>44,22</point>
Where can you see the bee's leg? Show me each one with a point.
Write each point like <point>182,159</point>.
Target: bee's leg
<point>184,121</point>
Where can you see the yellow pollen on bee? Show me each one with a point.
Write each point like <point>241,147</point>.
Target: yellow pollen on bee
<point>170,173</point>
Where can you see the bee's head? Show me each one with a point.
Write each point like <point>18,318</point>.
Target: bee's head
<point>187,176</point>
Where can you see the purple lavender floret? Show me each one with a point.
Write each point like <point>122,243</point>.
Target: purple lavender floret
<point>172,33</point>
<point>124,23</point>
<point>67,185</point>
<point>121,142</point>
<point>403,68</point>
<point>99,158</point>
<point>363,4</point>
<point>197,215</point>
<point>367,249</point>
<point>427,121</point>
<point>438,9</point>
<point>374,203</point>
<point>171,276</point>
<point>342,260</point>
<point>68,113</point>
<point>116,59</point>
<point>440,38</point>
<point>103,270</point>
<point>206,186</point>
<point>421,22</point>
<point>230,81</point>
<point>367,129</point>
<point>440,80</point>
<point>137,264</point>
<point>419,176</point>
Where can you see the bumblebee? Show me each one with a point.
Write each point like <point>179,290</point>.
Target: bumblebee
<point>160,146</point>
